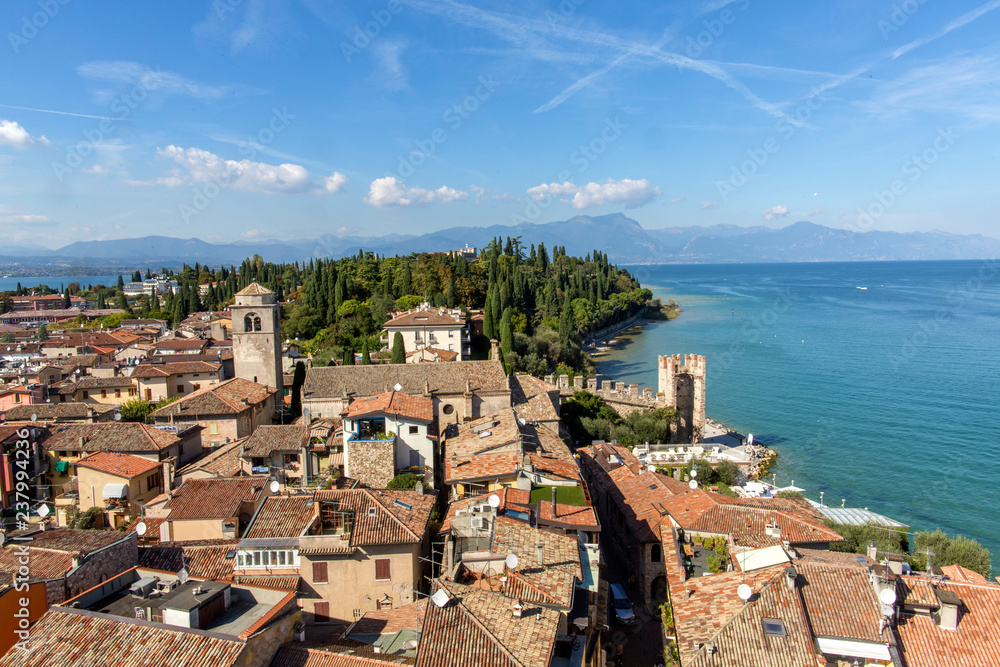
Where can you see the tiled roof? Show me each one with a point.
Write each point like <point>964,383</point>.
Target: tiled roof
<point>103,383</point>
<point>224,461</point>
<point>51,552</point>
<point>56,411</point>
<point>958,573</point>
<point>974,643</point>
<point>181,344</point>
<point>144,371</point>
<point>493,433</point>
<point>67,637</point>
<point>152,524</point>
<point>398,404</point>
<point>111,437</point>
<point>442,355</point>
<point>225,398</point>
<point>840,601</point>
<point>746,525</point>
<point>213,498</point>
<point>542,439</point>
<point>424,317</point>
<point>483,377</point>
<point>254,289</point>
<point>582,516</point>
<point>281,582</point>
<point>392,523</point>
<point>531,399</point>
<point>205,558</point>
<point>551,467</point>
<point>282,516</point>
<point>555,578</point>
<point>279,438</point>
<point>479,626</point>
<point>118,464</point>
<point>484,466</point>
<point>292,655</point>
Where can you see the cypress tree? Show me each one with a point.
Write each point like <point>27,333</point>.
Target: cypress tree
<point>398,351</point>
<point>488,317</point>
<point>366,359</point>
<point>348,356</point>
<point>405,285</point>
<point>450,295</point>
<point>506,334</point>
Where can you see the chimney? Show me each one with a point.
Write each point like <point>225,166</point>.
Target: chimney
<point>541,553</point>
<point>518,609</point>
<point>555,511</point>
<point>494,350</point>
<point>419,488</point>
<point>948,611</point>
<point>790,576</point>
<point>872,552</point>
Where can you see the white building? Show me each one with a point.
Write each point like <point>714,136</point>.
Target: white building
<point>393,416</point>
<point>438,328</point>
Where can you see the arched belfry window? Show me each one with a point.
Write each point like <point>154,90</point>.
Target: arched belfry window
<point>251,322</point>
<point>256,324</point>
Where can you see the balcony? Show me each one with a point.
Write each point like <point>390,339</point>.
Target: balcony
<point>367,436</point>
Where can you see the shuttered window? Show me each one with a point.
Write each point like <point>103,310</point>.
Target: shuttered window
<point>382,570</point>
<point>322,609</point>
<point>319,573</point>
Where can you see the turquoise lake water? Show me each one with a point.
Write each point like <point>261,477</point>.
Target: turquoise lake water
<point>884,396</point>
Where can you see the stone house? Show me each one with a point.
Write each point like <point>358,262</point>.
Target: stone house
<point>225,412</point>
<point>99,390</point>
<point>460,392</point>
<point>278,449</point>
<point>213,508</point>
<point>69,561</point>
<point>160,379</point>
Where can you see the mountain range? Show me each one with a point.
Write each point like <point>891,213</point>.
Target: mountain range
<point>623,239</point>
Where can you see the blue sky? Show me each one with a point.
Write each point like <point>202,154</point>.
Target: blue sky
<point>256,119</point>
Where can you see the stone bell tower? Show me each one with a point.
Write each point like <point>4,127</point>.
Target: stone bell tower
<point>257,336</point>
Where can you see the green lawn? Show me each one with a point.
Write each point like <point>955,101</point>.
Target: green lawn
<point>566,495</point>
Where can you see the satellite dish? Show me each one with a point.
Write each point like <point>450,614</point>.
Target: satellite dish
<point>182,576</point>
<point>744,591</point>
<point>494,501</point>
<point>693,484</point>
<point>397,387</point>
<point>887,596</point>
<point>750,439</point>
<point>274,486</point>
<point>694,474</point>
<point>511,561</point>
<point>43,511</point>
<point>441,598</point>
<point>34,417</point>
<point>410,644</point>
<point>140,529</point>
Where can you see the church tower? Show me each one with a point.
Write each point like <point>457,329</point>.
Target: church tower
<point>257,336</point>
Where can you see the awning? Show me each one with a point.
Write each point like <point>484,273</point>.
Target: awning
<point>115,490</point>
<point>62,466</point>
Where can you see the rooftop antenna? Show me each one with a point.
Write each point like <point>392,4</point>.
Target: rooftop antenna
<point>928,552</point>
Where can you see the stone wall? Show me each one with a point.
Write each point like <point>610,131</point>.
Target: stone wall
<point>106,563</point>
<point>373,462</point>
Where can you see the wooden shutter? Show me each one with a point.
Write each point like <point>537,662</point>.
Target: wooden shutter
<point>319,573</point>
<point>382,570</point>
<point>322,609</point>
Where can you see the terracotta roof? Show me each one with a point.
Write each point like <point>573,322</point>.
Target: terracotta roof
<point>492,433</point>
<point>282,516</point>
<point>279,581</point>
<point>205,558</point>
<point>254,289</point>
<point>103,383</point>
<point>479,626</point>
<point>225,398</point>
<point>532,400</point>
<point>213,498</point>
<point>51,552</point>
<point>542,439</point>
<point>425,317</point>
<point>958,573</point>
<point>551,467</point>
<point>279,438</point>
<point>110,436</point>
<point>68,637</point>
<point>152,534</point>
<point>746,524</point>
<point>181,344</point>
<point>392,523</point>
<point>224,461</point>
<point>582,516</point>
<point>335,381</point>
<point>555,579</point>
<point>390,621</point>
<point>167,369</point>
<point>293,655</point>
<point>118,464</point>
<point>398,404</point>
<point>442,355</point>
<point>482,467</point>
<point>975,642</point>
<point>56,411</point>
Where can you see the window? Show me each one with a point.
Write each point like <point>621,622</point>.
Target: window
<point>319,573</point>
<point>132,391</point>
<point>451,347</point>
<point>149,394</point>
<point>256,558</point>
<point>321,612</point>
<point>213,428</point>
<point>414,430</point>
<point>180,389</point>
<point>382,569</point>
<point>17,397</point>
<point>448,409</point>
<point>774,627</point>
<point>451,333</point>
<point>118,393</point>
<point>86,394</point>
<point>104,393</point>
<point>153,481</point>
<point>656,554</point>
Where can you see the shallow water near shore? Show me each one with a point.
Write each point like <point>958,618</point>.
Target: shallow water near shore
<point>884,397</point>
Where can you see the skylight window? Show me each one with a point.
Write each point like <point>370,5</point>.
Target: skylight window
<point>774,627</point>
<point>371,511</point>
<point>405,506</point>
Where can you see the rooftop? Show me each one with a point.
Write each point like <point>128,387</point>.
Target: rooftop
<point>118,464</point>
<point>337,381</point>
<point>267,439</point>
<point>282,516</point>
<point>110,436</point>
<point>532,400</point>
<point>225,398</point>
<point>490,434</point>
<point>412,408</point>
<point>385,516</point>
<point>51,552</point>
<point>213,498</point>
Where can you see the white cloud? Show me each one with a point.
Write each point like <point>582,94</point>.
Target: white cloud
<point>677,200</point>
<point>11,133</point>
<point>706,205</point>
<point>96,169</point>
<point>205,167</point>
<point>630,193</point>
<point>394,75</point>
<point>154,80</point>
<point>779,211</point>
<point>482,195</point>
<point>390,191</point>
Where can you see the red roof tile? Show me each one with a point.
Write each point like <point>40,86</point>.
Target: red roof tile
<point>413,408</point>
<point>118,464</point>
<point>213,498</point>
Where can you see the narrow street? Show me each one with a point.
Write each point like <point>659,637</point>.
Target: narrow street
<point>641,642</point>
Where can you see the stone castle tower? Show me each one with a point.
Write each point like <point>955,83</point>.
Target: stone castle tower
<point>257,336</point>
<point>681,380</point>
